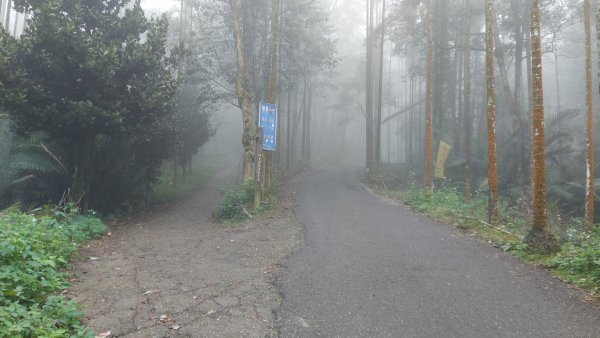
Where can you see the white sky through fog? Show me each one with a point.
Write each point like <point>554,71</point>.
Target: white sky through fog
<point>159,5</point>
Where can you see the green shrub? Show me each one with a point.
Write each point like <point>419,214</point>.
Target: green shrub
<point>579,260</point>
<point>235,199</point>
<point>33,251</point>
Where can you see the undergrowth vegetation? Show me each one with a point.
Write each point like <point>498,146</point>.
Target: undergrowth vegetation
<point>34,251</point>
<point>237,203</point>
<point>577,262</point>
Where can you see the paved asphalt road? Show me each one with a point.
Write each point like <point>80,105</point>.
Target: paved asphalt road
<point>371,269</point>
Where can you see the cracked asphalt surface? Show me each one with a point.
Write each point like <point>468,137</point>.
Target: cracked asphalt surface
<point>371,269</point>
<point>176,273</point>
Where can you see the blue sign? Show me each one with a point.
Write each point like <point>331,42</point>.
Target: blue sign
<point>267,120</point>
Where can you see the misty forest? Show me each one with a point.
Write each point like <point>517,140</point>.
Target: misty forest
<point>323,147</point>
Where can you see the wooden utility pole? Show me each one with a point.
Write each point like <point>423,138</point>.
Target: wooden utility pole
<point>493,213</point>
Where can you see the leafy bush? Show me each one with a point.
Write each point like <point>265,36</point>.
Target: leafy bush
<point>579,260</point>
<point>235,199</point>
<point>33,251</point>
<point>446,203</point>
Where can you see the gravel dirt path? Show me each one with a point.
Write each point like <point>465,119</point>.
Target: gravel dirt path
<point>371,269</point>
<point>176,273</point>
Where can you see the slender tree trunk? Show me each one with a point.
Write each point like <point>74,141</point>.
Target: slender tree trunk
<point>369,92</point>
<point>380,94</point>
<point>429,102</point>
<point>493,213</point>
<point>467,103</point>
<point>557,77</point>
<point>589,194</point>
<point>460,108</point>
<point>288,127</point>
<point>15,24</point>
<point>309,104</point>
<point>244,97</point>
<point>7,16</point>
<point>518,93</point>
<point>529,55</point>
<point>304,117</point>
<point>539,238</point>
<point>272,89</point>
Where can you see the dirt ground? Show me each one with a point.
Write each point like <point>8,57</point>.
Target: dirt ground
<point>174,272</point>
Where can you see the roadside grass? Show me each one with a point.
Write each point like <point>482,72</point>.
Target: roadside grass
<point>578,261</point>
<point>237,204</point>
<point>35,250</point>
<point>166,191</point>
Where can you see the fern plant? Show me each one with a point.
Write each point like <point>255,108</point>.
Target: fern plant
<point>29,172</point>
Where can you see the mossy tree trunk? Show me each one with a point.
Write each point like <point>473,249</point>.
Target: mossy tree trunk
<point>539,238</point>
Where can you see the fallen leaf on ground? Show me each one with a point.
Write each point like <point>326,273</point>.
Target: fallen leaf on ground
<point>104,334</point>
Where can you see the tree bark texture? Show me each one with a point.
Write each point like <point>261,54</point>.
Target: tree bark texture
<point>369,92</point>
<point>380,94</point>
<point>244,97</point>
<point>539,238</point>
<point>428,175</point>
<point>493,213</point>
<point>272,88</point>
<point>467,104</point>
<point>589,191</point>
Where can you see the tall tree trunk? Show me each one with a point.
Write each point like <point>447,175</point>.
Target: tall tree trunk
<point>7,9</point>
<point>15,25</point>
<point>589,193</point>
<point>467,103</point>
<point>309,104</point>
<point>518,92</point>
<point>272,88</point>
<point>242,84</point>
<point>288,126</point>
<point>557,77</point>
<point>369,92</point>
<point>380,95</point>
<point>428,175</point>
<point>304,117</point>
<point>493,213</point>
<point>539,238</point>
